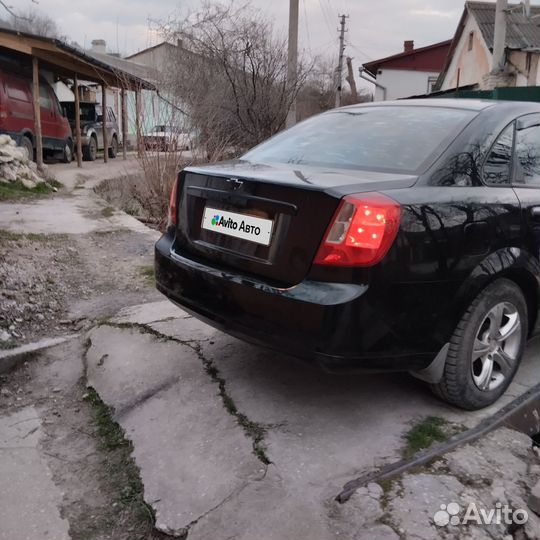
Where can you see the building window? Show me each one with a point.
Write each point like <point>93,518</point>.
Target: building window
<point>470,43</point>
<point>431,82</point>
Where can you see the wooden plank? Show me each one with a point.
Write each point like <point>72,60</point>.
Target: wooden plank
<point>104,122</point>
<point>65,65</point>
<point>138,120</point>
<point>77,119</point>
<point>37,114</point>
<point>124,123</point>
<point>14,43</point>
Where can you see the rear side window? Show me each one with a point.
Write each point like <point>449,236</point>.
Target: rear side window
<point>393,138</point>
<point>498,165</point>
<point>17,90</point>
<point>527,167</point>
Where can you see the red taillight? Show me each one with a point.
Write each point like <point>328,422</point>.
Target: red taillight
<point>172,204</point>
<point>361,232</point>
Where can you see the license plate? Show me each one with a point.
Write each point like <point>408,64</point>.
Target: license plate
<point>244,226</point>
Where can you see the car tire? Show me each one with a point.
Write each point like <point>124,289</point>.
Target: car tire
<point>113,148</point>
<point>90,150</point>
<point>27,143</point>
<point>67,152</point>
<point>486,347</point>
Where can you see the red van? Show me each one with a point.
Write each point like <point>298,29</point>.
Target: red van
<point>17,116</point>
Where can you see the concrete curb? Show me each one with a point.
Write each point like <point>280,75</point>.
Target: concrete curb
<point>13,357</point>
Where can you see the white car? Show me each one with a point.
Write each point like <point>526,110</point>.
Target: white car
<point>167,139</point>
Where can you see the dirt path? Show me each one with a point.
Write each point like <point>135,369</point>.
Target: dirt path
<point>68,259</point>
<point>66,262</point>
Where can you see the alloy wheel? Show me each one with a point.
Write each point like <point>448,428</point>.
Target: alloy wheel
<point>496,347</point>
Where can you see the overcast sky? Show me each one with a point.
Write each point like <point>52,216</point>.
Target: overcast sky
<point>376,28</point>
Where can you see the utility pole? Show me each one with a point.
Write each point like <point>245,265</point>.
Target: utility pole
<point>292,60</point>
<point>339,72</point>
<point>350,80</point>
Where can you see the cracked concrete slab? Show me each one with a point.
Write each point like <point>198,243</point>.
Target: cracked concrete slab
<point>125,366</point>
<point>192,453</point>
<point>188,329</point>
<point>319,430</point>
<point>193,460</point>
<point>27,486</point>
<point>149,313</point>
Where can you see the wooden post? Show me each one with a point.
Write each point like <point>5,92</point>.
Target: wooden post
<point>104,117</point>
<point>138,120</point>
<point>37,114</point>
<point>77,120</point>
<point>351,81</point>
<point>124,123</point>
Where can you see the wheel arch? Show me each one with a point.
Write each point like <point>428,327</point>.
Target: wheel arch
<point>28,134</point>
<point>511,263</point>
<point>529,286</point>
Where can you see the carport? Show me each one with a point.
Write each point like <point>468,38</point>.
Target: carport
<point>72,63</point>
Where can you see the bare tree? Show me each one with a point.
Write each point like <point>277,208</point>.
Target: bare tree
<point>230,74</point>
<point>319,91</point>
<point>33,21</point>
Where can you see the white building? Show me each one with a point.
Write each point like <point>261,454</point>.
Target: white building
<point>408,73</point>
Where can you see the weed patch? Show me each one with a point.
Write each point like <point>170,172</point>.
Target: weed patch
<point>423,434</point>
<point>16,190</point>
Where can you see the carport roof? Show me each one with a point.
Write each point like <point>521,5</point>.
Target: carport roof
<point>67,60</point>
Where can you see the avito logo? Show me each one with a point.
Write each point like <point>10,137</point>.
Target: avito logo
<point>229,223</point>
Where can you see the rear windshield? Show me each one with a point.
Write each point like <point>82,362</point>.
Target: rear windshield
<point>392,138</point>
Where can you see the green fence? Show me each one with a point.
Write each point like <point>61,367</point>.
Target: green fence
<point>519,93</point>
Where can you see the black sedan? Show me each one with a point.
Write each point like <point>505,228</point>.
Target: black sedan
<point>398,236</point>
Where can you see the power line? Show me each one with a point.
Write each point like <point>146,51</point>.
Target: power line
<point>307,26</point>
<point>325,17</point>
<point>359,50</point>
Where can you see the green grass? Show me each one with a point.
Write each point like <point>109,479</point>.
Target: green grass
<point>108,211</point>
<point>35,237</point>
<point>16,190</point>
<point>123,470</point>
<point>423,434</point>
<point>147,272</point>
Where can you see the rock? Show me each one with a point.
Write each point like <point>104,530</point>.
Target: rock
<point>29,184</point>
<point>534,499</point>
<point>15,164</point>
<point>375,490</point>
<point>9,174</point>
<point>4,336</point>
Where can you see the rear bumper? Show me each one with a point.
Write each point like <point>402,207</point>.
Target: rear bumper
<point>331,324</point>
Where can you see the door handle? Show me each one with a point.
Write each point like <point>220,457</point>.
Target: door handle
<point>535,213</point>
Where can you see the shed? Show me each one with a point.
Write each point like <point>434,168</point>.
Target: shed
<point>73,63</point>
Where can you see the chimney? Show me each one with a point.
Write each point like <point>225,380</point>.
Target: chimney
<point>499,36</point>
<point>408,45</point>
<point>179,43</point>
<point>99,46</point>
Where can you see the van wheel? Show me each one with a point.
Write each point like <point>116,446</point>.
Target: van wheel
<point>67,153</point>
<point>113,149</point>
<point>27,143</point>
<point>90,150</point>
<point>486,347</point>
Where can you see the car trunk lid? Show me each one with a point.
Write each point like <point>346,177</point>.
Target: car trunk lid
<point>221,205</point>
